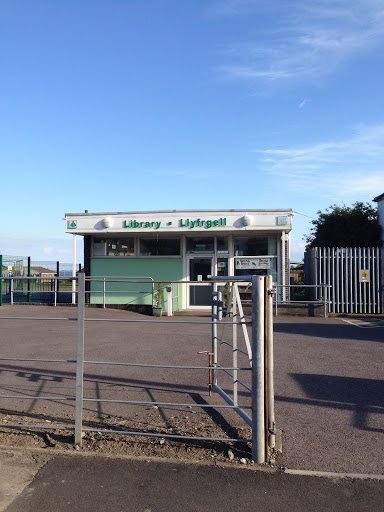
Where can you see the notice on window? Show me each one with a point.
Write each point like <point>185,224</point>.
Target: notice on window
<point>253,263</point>
<point>364,276</point>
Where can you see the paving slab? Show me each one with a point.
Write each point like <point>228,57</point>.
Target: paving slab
<point>17,470</point>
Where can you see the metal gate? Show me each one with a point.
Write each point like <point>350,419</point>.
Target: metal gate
<point>258,352</point>
<point>354,274</point>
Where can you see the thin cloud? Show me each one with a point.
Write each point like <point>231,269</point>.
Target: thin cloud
<point>231,7</point>
<point>192,173</point>
<point>350,167</point>
<point>249,72</point>
<point>305,41</point>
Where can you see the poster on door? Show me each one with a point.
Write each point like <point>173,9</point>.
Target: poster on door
<point>253,263</point>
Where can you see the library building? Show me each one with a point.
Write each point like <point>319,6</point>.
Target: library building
<point>179,247</point>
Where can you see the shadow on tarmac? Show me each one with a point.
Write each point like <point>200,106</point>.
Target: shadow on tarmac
<point>331,331</point>
<point>362,396</point>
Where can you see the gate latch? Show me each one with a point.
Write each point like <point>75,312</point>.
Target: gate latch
<point>210,369</point>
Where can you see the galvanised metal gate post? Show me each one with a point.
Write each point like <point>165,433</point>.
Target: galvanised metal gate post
<point>215,316</point>
<point>234,348</point>
<point>258,369</point>
<point>270,398</point>
<point>80,358</point>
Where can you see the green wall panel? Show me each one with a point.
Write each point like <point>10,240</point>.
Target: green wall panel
<point>161,269</point>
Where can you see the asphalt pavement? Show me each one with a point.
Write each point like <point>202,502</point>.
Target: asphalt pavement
<point>81,484</point>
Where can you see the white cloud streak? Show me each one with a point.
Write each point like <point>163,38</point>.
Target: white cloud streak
<point>349,167</point>
<point>305,41</point>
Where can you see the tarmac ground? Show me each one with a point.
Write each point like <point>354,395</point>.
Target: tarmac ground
<point>329,405</point>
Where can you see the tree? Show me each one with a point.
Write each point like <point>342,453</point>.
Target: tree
<point>346,226</point>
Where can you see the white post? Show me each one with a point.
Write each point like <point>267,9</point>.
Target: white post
<point>169,300</point>
<point>74,269</point>
<point>283,289</point>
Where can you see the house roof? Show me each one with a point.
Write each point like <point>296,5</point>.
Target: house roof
<point>378,198</point>
<point>43,270</point>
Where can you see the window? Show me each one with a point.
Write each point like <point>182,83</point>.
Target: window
<point>159,246</point>
<point>98,248</point>
<point>121,247</point>
<point>200,244</point>
<point>222,245</point>
<point>251,246</point>
<point>114,247</point>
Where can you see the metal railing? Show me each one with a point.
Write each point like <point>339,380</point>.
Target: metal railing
<point>121,279</point>
<point>323,292</point>
<point>256,350</point>
<point>49,285</point>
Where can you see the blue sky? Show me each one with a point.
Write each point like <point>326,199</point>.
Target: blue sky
<point>119,105</point>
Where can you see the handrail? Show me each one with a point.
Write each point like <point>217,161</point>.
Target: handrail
<point>322,300</point>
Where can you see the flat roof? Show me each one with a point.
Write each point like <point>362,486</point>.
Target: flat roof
<point>260,210</point>
<point>176,221</point>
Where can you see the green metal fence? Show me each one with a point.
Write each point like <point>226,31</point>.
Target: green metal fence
<point>33,290</point>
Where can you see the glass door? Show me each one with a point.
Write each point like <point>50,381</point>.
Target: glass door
<point>200,270</point>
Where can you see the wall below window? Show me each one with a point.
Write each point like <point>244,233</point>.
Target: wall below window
<point>160,269</point>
